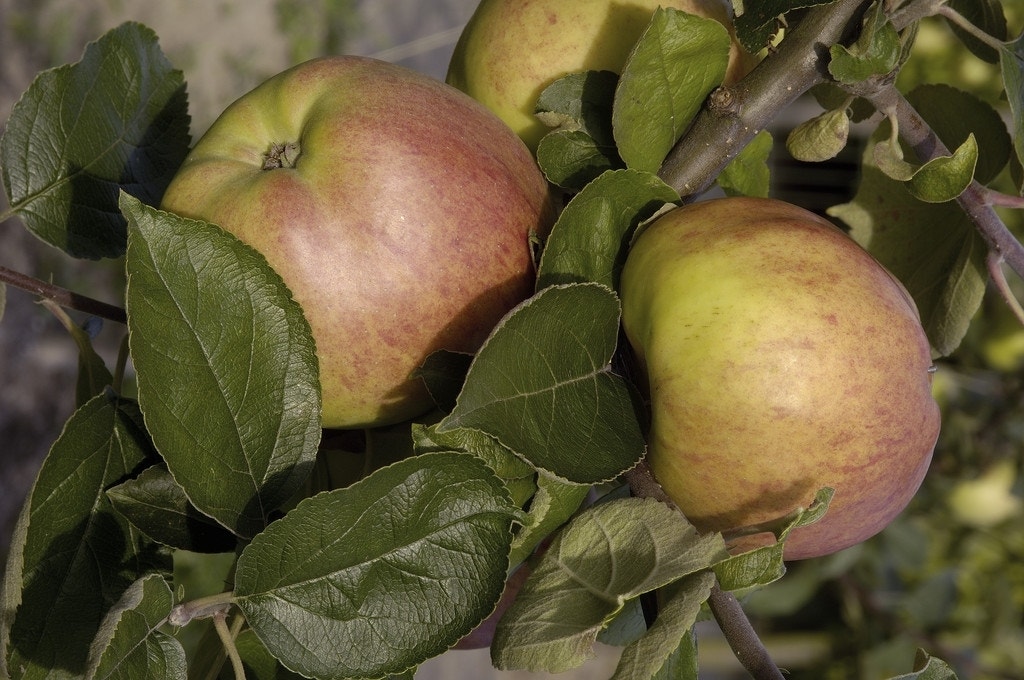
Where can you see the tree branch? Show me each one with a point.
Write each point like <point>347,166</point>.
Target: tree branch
<point>735,114</point>
<point>62,296</point>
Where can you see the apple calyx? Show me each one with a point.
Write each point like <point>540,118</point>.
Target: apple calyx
<point>281,155</point>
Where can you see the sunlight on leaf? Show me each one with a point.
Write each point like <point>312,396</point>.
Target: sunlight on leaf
<point>747,174</point>
<point>611,553</point>
<point>227,369</point>
<point>115,120</point>
<point>376,578</point>
<point>821,137</point>
<point>678,60</point>
<point>542,385</point>
<point>876,52</point>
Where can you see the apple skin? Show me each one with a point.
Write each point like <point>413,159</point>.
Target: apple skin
<point>780,358</point>
<point>403,227</point>
<point>511,50</point>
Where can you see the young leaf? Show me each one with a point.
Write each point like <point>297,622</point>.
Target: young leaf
<point>227,370</point>
<point>648,655</point>
<point>590,240</point>
<point>747,174</point>
<point>677,62</point>
<point>378,577</point>
<point>130,644</point>
<point>72,557</point>
<point>117,118</point>
<point>821,137</point>
<point>939,180</point>
<point>155,505</point>
<point>542,386</point>
<point>611,553</point>
<point>928,668</point>
<point>955,115</point>
<point>876,53</point>
<point>932,248</point>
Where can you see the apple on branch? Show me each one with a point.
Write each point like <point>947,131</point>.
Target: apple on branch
<point>397,210</point>
<point>512,49</point>
<point>780,358</point>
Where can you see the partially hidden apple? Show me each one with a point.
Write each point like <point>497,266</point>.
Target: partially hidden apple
<point>510,50</point>
<point>779,358</point>
<point>398,211</point>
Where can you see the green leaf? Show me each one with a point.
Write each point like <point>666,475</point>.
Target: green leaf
<point>572,158</point>
<point>611,553</point>
<point>955,115</point>
<point>155,505</point>
<point>378,577</point>
<point>590,240</point>
<point>227,368</point>
<point>443,372</point>
<point>554,502</point>
<point>821,137</point>
<point>876,53</point>
<point>517,474</point>
<point>116,119</point>
<point>581,146</point>
<point>1011,63</point>
<point>130,644</point>
<point>987,15</point>
<point>747,173</point>
<point>759,20</point>
<point>72,557</point>
<point>928,668</point>
<point>259,663</point>
<point>933,248</point>
<point>677,62</point>
<point>93,375</point>
<point>648,655</point>
<point>542,386</point>
<point>939,180</point>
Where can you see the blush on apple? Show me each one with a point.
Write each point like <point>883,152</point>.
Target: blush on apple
<point>398,211</point>
<point>780,358</point>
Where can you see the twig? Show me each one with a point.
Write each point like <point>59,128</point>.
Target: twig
<point>731,618</point>
<point>735,114</point>
<point>742,638</point>
<point>62,296</point>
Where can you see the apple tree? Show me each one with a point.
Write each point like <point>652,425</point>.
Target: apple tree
<point>519,510</point>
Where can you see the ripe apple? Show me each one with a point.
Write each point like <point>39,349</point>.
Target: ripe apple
<point>512,49</point>
<point>780,358</point>
<point>398,211</point>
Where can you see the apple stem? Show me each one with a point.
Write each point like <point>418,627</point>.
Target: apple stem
<point>62,296</point>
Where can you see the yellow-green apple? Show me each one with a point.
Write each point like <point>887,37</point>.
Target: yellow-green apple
<point>780,358</point>
<point>511,50</point>
<point>398,211</point>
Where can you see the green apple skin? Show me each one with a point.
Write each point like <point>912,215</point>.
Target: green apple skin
<point>511,50</point>
<point>402,228</point>
<point>780,358</point>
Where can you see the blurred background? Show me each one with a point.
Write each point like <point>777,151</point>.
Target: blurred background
<point>948,576</point>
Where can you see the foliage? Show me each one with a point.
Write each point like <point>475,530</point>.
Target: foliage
<point>367,559</point>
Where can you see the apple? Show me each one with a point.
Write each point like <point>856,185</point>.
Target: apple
<point>511,50</point>
<point>779,358</point>
<point>398,211</point>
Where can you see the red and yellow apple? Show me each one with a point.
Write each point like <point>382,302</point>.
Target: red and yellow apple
<point>512,49</point>
<point>779,358</point>
<point>397,210</point>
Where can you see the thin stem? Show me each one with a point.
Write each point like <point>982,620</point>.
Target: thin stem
<point>736,113</point>
<point>958,19</point>
<point>62,296</point>
<point>228,640</point>
<point>995,271</point>
<point>740,635</point>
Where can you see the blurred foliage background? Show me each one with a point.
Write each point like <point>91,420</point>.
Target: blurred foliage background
<point>947,576</point>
